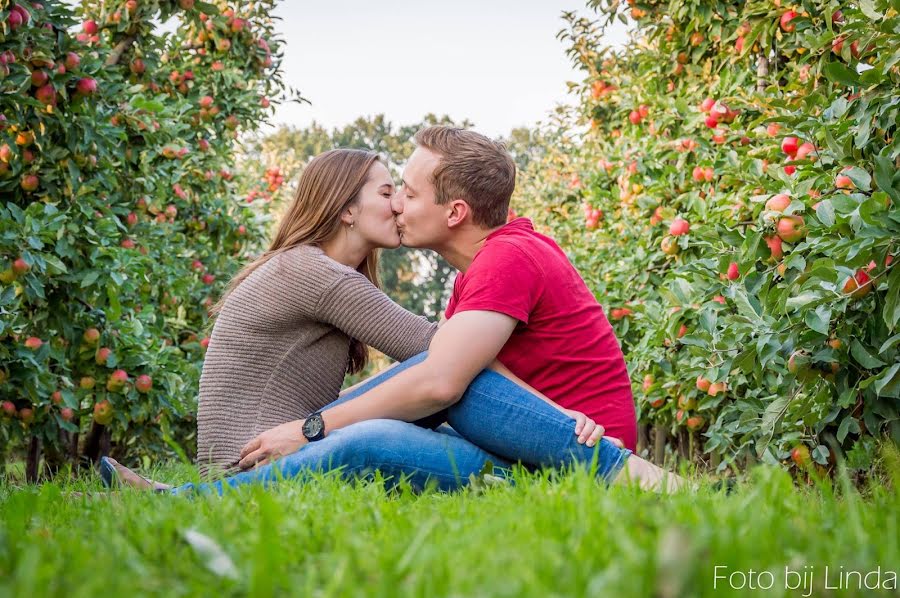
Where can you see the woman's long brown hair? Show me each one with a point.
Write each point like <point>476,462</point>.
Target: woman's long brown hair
<point>330,183</point>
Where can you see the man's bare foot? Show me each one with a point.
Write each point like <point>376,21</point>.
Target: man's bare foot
<point>129,478</point>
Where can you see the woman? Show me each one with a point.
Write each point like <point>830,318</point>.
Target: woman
<point>293,322</point>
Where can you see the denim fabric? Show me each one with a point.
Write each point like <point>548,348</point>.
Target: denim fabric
<point>496,420</point>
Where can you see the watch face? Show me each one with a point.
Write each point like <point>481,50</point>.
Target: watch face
<point>312,427</point>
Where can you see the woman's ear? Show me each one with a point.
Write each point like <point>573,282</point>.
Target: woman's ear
<point>348,216</point>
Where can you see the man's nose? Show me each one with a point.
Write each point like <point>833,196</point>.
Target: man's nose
<point>397,202</point>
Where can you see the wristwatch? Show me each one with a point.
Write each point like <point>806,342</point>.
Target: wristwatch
<point>314,427</point>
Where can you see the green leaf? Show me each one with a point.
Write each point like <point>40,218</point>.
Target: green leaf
<point>838,72</point>
<point>90,278</point>
<point>819,319</point>
<point>802,299</point>
<point>868,8</point>
<point>820,454</point>
<point>860,178</point>
<point>889,343</point>
<point>888,382</point>
<point>56,265</point>
<point>891,312</point>
<point>825,212</point>
<point>863,357</point>
<point>884,172</point>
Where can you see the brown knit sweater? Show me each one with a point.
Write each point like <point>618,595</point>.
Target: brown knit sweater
<point>281,345</point>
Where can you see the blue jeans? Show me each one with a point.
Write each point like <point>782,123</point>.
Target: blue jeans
<point>495,420</point>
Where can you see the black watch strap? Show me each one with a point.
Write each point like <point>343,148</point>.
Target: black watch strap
<point>314,427</point>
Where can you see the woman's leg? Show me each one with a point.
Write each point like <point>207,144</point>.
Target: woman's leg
<point>399,450</point>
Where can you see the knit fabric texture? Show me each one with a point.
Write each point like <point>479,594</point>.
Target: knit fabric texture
<point>280,348</point>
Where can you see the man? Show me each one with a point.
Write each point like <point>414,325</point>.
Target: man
<point>518,306</point>
<point>517,299</point>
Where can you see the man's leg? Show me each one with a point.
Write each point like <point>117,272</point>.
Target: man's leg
<point>500,416</point>
<point>431,421</point>
<point>397,449</point>
<point>505,419</point>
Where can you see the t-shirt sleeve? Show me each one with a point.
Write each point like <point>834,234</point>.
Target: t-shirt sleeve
<point>504,279</point>
<point>362,311</point>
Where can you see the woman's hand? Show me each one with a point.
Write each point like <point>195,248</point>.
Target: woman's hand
<point>588,431</point>
<point>273,443</point>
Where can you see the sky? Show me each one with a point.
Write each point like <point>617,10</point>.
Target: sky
<point>496,62</point>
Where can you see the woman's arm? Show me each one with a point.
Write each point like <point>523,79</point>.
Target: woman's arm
<point>362,311</point>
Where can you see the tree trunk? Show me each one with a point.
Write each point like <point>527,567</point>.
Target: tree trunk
<point>762,72</point>
<point>660,437</point>
<point>643,441</point>
<point>96,443</point>
<point>33,461</point>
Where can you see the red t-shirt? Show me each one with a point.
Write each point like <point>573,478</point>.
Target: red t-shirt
<point>563,345</point>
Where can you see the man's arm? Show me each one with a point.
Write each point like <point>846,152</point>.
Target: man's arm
<point>463,346</point>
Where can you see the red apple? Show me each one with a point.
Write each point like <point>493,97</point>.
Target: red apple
<point>39,78</point>
<point>635,117</point>
<point>679,227</point>
<point>86,86</point>
<point>858,285</point>
<point>33,343</point>
<point>72,61</point>
<point>144,383</point>
<point>716,388</point>
<point>117,381</point>
<point>790,228</point>
<point>805,150</point>
<point>20,267</point>
<point>30,182</point>
<point>9,408</point>
<point>91,336</point>
<point>102,355</point>
<point>707,104</point>
<point>842,181</point>
<point>800,456</point>
<point>778,203</point>
<point>67,413</point>
<point>90,27</point>
<point>789,146</point>
<point>695,422</point>
<point>786,24</point>
<point>669,246</point>
<point>46,94</point>
<point>103,412</point>
<point>775,247</point>
<point>733,271</point>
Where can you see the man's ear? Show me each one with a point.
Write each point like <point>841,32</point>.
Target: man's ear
<point>459,212</point>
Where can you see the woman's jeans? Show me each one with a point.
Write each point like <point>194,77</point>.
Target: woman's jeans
<point>496,421</point>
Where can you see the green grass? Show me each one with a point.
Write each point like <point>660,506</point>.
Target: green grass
<point>566,536</point>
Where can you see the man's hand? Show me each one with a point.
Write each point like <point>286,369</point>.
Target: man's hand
<point>273,443</point>
<point>588,431</point>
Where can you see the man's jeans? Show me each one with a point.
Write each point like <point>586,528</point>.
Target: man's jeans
<point>496,420</point>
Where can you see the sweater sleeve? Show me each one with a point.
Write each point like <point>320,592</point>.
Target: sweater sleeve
<point>362,311</point>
